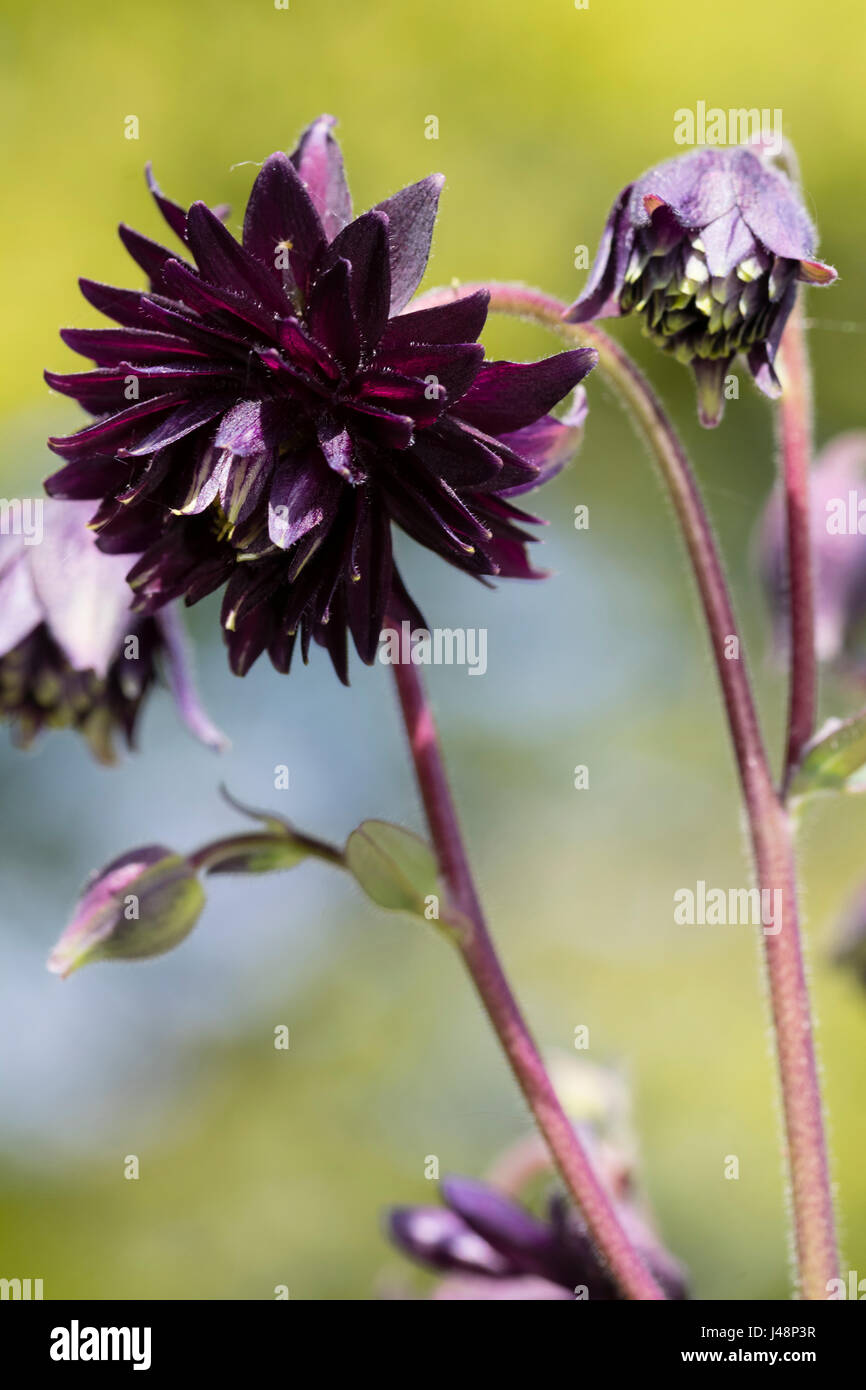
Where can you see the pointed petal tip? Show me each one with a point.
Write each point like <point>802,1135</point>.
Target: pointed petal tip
<point>817,273</point>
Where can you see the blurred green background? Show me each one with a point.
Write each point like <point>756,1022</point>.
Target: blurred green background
<point>261,1167</point>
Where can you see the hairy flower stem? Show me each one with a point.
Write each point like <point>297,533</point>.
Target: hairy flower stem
<point>794,427</point>
<point>482,962</point>
<point>769,825</point>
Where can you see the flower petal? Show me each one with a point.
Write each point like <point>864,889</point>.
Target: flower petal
<point>505,396</point>
<point>458,321</point>
<point>280,213</point>
<point>411,215</point>
<point>320,164</point>
<point>304,495</point>
<point>181,680</point>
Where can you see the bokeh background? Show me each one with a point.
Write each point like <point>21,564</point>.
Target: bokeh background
<point>261,1167</point>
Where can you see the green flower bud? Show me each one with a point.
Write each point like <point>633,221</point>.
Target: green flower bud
<point>139,905</point>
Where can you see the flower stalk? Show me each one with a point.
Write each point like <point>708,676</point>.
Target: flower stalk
<point>794,427</point>
<point>482,961</point>
<point>770,827</point>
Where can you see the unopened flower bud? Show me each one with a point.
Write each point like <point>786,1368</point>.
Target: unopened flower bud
<point>707,248</point>
<point>139,905</point>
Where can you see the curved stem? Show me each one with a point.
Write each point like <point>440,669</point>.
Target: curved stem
<point>769,826</point>
<point>482,962</point>
<point>795,442</point>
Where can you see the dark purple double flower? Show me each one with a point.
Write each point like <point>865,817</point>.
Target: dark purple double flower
<point>266,411</point>
<point>490,1247</point>
<point>708,248</point>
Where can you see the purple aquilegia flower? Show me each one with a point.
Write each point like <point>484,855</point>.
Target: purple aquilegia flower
<point>71,653</point>
<point>837,522</point>
<point>708,248</point>
<point>492,1248</point>
<point>265,414</point>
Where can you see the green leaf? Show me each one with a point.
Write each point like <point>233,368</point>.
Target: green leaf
<point>835,759</point>
<point>394,867</point>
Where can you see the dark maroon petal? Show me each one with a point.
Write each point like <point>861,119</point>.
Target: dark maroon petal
<point>401,603</point>
<point>294,379</point>
<point>403,395</point>
<point>174,215</point>
<point>108,347</point>
<point>600,295</point>
<point>411,214</point>
<point>226,263</point>
<point>331,316</point>
<point>185,560</point>
<point>304,494</point>
<point>108,435</point>
<point>280,213</point>
<point>127,307</point>
<point>249,587</point>
<point>459,321</point>
<point>369,586</point>
<point>320,164</point>
<point>148,254</point>
<point>336,445</point>
<point>455,365</point>
<point>383,426</point>
<point>248,640</point>
<point>455,453</point>
<point>281,649</point>
<point>364,244</point>
<point>206,298</point>
<point>203,339</point>
<point>429,511</point>
<point>332,636</point>
<point>88,480</point>
<point>312,356</point>
<point>187,417</point>
<point>106,390</point>
<point>508,395</point>
<point>125,530</point>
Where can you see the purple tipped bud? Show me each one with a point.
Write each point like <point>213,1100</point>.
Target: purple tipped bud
<point>708,249</point>
<point>139,905</point>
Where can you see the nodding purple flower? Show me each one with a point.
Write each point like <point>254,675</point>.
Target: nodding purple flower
<point>490,1247</point>
<point>837,500</point>
<point>71,653</point>
<point>708,249</point>
<point>268,409</point>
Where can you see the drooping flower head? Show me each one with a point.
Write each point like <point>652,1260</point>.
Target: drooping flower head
<point>267,409</point>
<point>71,653</point>
<point>708,248</point>
<point>490,1247</point>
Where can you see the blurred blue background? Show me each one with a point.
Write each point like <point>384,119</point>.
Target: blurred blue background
<point>262,1167</point>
